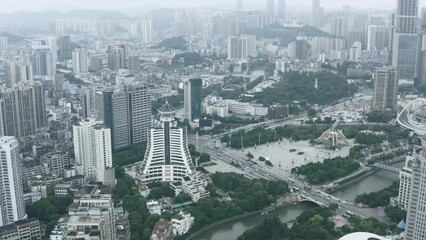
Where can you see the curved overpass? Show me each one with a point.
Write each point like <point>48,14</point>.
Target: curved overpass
<point>405,117</point>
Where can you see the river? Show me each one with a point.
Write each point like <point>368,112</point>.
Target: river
<point>375,182</point>
<point>232,230</point>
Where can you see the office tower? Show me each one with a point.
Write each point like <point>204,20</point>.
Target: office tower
<point>127,111</point>
<point>405,183</point>
<point>92,149</point>
<point>377,38</point>
<point>239,4</point>
<point>281,8</point>
<point>270,7</point>
<point>147,30</point>
<point>43,62</point>
<point>233,48</point>
<point>371,38</point>
<point>385,89</point>
<point>17,72</point>
<point>65,48</point>
<point>26,229</point>
<point>117,57</point>
<point>134,63</point>
<point>316,13</point>
<point>3,44</point>
<point>91,217</point>
<point>167,158</point>
<point>299,49</point>
<point>208,31</point>
<point>406,40</point>
<point>23,109</point>
<point>12,207</point>
<point>192,97</point>
<point>80,59</point>
<point>416,225</point>
<point>95,63</point>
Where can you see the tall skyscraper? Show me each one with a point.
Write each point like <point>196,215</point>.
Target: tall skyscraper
<point>65,48</point>
<point>416,225</point>
<point>23,109</point>
<point>52,43</point>
<point>18,72</point>
<point>92,149</point>
<point>422,58</point>
<point>281,7</point>
<point>192,97</point>
<point>385,89</point>
<point>316,13</point>
<point>148,31</point>
<point>117,56</point>
<point>80,59</point>
<point>127,111</point>
<point>167,158</point>
<point>240,48</point>
<point>239,4</point>
<point>405,183</point>
<point>270,7</point>
<point>43,62</point>
<point>12,207</point>
<point>3,44</point>
<point>406,40</point>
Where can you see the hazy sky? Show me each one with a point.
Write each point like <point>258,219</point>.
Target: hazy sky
<point>40,5</point>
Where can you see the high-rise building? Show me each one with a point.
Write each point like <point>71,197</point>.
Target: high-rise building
<point>377,38</point>
<point>92,148</point>
<point>23,109</point>
<point>80,59</point>
<point>65,48</point>
<point>339,26</point>
<point>117,56</point>
<point>239,4</point>
<point>167,158</point>
<point>240,48</point>
<point>43,62</point>
<point>192,97</point>
<point>134,63</point>
<point>147,31</point>
<point>406,40</point>
<point>355,52</point>
<point>18,72</point>
<point>95,63</point>
<point>270,7</point>
<point>317,13</point>
<point>52,43</point>
<point>12,207</point>
<point>3,44</point>
<point>422,58</point>
<point>416,225</point>
<point>87,101</point>
<point>385,89</point>
<point>405,183</point>
<point>299,49</point>
<point>281,7</point>
<point>127,111</point>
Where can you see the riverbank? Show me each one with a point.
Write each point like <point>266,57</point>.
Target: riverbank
<point>362,175</point>
<point>289,200</point>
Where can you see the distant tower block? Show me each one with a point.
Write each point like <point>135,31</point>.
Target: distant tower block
<point>316,84</point>
<point>334,136</point>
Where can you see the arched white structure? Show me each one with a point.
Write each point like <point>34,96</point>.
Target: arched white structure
<point>405,117</point>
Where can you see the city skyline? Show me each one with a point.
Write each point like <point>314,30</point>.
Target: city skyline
<point>141,6</point>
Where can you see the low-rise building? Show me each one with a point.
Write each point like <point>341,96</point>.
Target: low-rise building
<point>27,229</point>
<point>193,185</point>
<point>154,207</point>
<point>32,197</point>
<point>62,190</point>
<point>182,223</point>
<point>163,230</point>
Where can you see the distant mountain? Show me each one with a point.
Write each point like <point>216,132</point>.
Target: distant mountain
<point>43,20</point>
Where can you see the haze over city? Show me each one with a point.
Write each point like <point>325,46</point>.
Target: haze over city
<point>213,120</point>
<point>143,5</point>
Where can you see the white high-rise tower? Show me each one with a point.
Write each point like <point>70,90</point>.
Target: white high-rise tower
<point>93,151</point>
<point>12,207</point>
<point>167,157</point>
